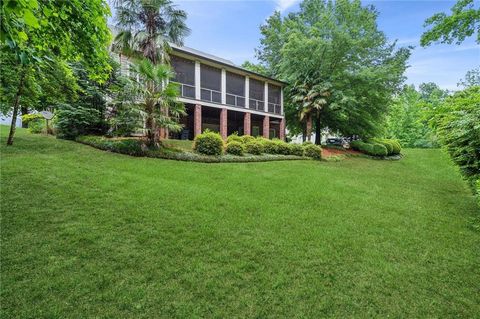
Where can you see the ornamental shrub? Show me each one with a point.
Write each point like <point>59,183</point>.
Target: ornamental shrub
<point>296,149</point>
<point>397,147</point>
<point>388,145</point>
<point>269,146</point>
<point>282,147</point>
<point>379,150</point>
<point>133,147</point>
<point>254,147</point>
<point>35,122</point>
<point>209,143</point>
<point>235,148</point>
<point>71,122</point>
<point>234,138</point>
<point>313,151</point>
<point>247,139</point>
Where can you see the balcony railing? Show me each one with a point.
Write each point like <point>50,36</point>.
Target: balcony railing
<point>274,108</point>
<point>211,95</point>
<point>256,105</point>
<point>235,100</point>
<point>187,90</point>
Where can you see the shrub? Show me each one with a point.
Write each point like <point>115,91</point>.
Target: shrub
<point>209,143</point>
<point>125,122</point>
<point>379,150</point>
<point>313,151</point>
<point>133,147</point>
<point>254,147</point>
<point>388,145</point>
<point>397,148</point>
<point>75,121</point>
<point>296,149</point>
<point>234,138</point>
<point>235,148</point>
<point>269,146</point>
<point>247,139</point>
<point>35,122</point>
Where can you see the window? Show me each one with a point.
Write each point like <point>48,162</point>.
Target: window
<point>184,70</point>
<point>235,89</point>
<point>211,83</point>
<point>274,99</point>
<point>257,92</point>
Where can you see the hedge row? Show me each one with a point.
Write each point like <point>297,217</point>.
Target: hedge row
<point>133,147</point>
<point>210,143</point>
<point>377,147</point>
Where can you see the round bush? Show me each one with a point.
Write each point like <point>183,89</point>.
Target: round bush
<point>235,148</point>
<point>269,146</point>
<point>397,148</point>
<point>296,149</point>
<point>254,147</point>
<point>379,150</point>
<point>209,143</point>
<point>247,139</point>
<point>234,138</point>
<point>313,151</point>
<point>283,148</point>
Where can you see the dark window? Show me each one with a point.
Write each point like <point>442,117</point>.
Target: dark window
<point>273,94</point>
<point>184,70</point>
<point>235,84</point>
<point>211,78</point>
<point>257,89</point>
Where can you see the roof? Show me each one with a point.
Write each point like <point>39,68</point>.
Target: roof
<point>213,58</point>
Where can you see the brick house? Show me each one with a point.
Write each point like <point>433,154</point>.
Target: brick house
<point>220,96</point>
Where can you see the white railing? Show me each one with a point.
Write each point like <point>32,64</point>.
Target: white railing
<point>211,95</point>
<point>274,108</point>
<point>256,104</point>
<point>238,100</point>
<point>187,90</point>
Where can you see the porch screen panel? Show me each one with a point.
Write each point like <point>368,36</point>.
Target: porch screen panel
<point>211,83</point>
<point>184,74</point>
<point>274,98</point>
<point>257,91</point>
<point>235,87</point>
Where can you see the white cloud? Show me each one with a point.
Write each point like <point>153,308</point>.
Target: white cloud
<point>283,5</point>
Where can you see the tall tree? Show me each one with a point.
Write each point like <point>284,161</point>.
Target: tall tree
<point>147,27</point>
<point>461,24</point>
<point>335,46</point>
<point>36,32</point>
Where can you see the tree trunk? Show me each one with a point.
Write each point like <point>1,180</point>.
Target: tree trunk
<point>318,131</point>
<point>24,111</point>
<point>308,128</point>
<point>15,106</point>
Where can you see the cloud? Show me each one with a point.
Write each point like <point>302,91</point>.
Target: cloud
<point>283,5</point>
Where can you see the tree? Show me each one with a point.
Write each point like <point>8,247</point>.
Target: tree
<point>472,78</point>
<point>156,97</point>
<point>335,46</point>
<point>462,23</point>
<point>146,27</point>
<point>36,32</point>
<point>257,68</point>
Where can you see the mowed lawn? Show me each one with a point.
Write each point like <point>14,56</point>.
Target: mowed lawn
<point>87,233</point>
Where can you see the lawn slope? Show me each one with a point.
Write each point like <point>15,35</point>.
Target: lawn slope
<point>87,233</point>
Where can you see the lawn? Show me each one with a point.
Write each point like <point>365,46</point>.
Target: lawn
<point>87,233</point>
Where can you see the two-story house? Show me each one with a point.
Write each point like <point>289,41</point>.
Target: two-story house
<point>220,96</point>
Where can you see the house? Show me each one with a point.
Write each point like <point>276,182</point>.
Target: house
<point>220,96</point>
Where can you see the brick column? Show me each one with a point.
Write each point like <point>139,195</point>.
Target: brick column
<point>223,123</point>
<point>197,120</point>
<point>282,129</point>
<point>247,123</point>
<point>266,126</point>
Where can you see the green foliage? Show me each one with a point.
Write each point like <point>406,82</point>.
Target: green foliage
<point>26,118</point>
<point>234,138</point>
<point>256,68</point>
<point>461,24</point>
<point>349,83</point>
<point>313,151</point>
<point>73,121</point>
<point>209,143</point>
<point>125,121</point>
<point>373,149</point>
<point>133,147</point>
<point>254,147</point>
<point>296,149</point>
<point>269,146</point>
<point>235,148</point>
<point>457,122</point>
<point>410,113</point>
<point>393,147</point>
<point>379,150</point>
<point>247,139</point>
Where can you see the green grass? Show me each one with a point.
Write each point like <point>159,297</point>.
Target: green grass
<point>87,233</point>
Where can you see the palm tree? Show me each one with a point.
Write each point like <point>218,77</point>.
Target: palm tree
<point>146,28</point>
<point>311,100</point>
<point>157,97</point>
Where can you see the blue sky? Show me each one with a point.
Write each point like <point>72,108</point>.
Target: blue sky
<point>230,29</point>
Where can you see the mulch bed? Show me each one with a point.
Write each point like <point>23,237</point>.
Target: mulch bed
<point>326,152</point>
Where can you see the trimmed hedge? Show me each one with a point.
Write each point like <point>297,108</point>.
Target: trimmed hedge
<point>234,138</point>
<point>297,150</point>
<point>209,143</point>
<point>393,146</point>
<point>235,148</point>
<point>254,147</point>
<point>247,139</point>
<point>133,147</point>
<point>313,151</point>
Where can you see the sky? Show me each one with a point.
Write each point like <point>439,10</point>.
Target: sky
<point>230,29</point>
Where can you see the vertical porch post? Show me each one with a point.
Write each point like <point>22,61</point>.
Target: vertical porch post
<point>266,126</point>
<point>223,123</point>
<point>282,129</point>
<point>247,123</point>
<point>197,120</point>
